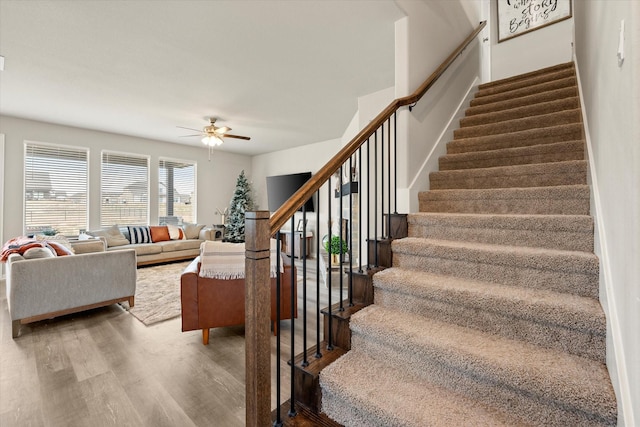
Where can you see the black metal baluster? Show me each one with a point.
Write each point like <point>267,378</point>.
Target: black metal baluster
<point>375,197</point>
<point>369,264</point>
<point>389,178</point>
<point>350,183</point>
<point>318,255</point>
<point>382,181</point>
<point>278,421</point>
<point>303,254</point>
<point>395,164</point>
<point>341,234</point>
<point>292,400</point>
<point>329,284</point>
<point>360,211</point>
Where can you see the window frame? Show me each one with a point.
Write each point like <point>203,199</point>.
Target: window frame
<point>147,159</point>
<point>194,197</point>
<point>30,145</point>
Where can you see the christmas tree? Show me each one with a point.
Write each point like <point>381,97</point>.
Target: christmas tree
<point>241,202</point>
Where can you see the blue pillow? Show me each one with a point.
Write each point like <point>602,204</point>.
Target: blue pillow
<point>139,234</point>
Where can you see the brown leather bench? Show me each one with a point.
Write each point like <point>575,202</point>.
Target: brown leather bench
<point>212,303</point>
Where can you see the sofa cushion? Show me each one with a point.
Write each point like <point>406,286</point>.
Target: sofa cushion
<point>34,253</point>
<point>143,248</point>
<point>112,235</point>
<point>192,231</point>
<point>60,249</point>
<point>60,240</point>
<point>159,233</point>
<point>179,245</point>
<point>139,234</point>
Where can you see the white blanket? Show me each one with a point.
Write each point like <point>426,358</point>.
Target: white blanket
<point>224,260</point>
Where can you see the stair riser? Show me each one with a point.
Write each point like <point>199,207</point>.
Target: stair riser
<point>518,325</point>
<point>577,206</point>
<point>556,174</point>
<point>549,153</point>
<point>512,275</point>
<point>525,138</point>
<point>525,101</point>
<point>510,126</point>
<point>526,91</point>
<point>553,239</point>
<point>529,79</point>
<point>522,112</point>
<point>472,382</point>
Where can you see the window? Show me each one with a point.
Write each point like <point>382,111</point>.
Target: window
<point>176,192</point>
<point>124,188</point>
<point>55,188</point>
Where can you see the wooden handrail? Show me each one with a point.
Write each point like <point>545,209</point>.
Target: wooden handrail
<point>288,209</point>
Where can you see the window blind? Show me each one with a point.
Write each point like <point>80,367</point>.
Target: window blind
<point>176,192</point>
<point>55,188</point>
<point>124,189</point>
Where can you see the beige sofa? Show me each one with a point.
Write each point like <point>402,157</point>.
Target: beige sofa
<point>150,253</point>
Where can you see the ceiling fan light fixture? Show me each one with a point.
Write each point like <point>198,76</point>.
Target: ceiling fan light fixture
<point>212,140</point>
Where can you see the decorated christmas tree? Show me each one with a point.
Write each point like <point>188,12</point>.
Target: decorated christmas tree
<point>241,202</point>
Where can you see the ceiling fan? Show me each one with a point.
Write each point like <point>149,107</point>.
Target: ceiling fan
<point>212,134</point>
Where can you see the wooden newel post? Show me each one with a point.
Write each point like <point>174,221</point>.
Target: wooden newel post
<point>257,319</point>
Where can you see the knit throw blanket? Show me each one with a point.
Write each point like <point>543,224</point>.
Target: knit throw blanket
<point>223,260</point>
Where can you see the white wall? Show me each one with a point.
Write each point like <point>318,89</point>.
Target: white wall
<point>541,48</point>
<point>424,39</point>
<point>611,94</point>
<point>215,180</point>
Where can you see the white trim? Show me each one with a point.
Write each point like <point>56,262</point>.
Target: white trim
<point>623,390</point>
<point>2,213</point>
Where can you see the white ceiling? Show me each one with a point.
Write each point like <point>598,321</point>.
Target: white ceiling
<point>284,72</point>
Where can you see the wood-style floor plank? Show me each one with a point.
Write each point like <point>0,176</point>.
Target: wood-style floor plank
<point>103,367</point>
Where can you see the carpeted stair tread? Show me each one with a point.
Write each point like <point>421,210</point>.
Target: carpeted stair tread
<point>380,395</point>
<point>523,138</point>
<point>519,124</point>
<point>523,101</point>
<point>554,320</point>
<point>564,232</point>
<point>541,268</point>
<point>524,91</point>
<point>529,110</point>
<point>544,153</point>
<point>573,172</point>
<point>524,82</point>
<point>526,76</point>
<point>559,200</point>
<point>567,382</point>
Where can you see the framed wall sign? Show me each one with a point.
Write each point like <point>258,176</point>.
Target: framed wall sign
<point>517,17</point>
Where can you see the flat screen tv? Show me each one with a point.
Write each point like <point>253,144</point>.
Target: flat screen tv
<point>281,187</point>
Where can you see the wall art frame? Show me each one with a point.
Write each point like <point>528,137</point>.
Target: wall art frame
<point>518,17</point>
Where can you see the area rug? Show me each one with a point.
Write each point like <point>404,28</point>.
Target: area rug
<point>157,293</point>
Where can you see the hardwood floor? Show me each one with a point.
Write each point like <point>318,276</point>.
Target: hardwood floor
<point>104,367</point>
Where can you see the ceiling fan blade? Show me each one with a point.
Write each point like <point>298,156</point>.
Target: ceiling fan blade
<point>237,137</point>
<point>183,136</point>
<point>195,130</point>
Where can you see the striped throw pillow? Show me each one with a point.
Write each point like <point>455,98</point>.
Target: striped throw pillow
<point>139,234</point>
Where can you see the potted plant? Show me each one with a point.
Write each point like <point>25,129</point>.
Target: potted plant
<point>336,247</point>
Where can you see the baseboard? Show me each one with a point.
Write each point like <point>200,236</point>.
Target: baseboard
<point>615,355</point>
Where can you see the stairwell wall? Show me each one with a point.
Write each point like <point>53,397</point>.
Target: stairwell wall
<point>611,97</point>
<point>425,38</point>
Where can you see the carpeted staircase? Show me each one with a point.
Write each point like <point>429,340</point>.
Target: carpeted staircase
<point>490,313</point>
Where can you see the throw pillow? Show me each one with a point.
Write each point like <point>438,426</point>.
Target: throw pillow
<point>59,248</point>
<point>35,253</point>
<point>60,239</point>
<point>174,232</point>
<point>139,234</point>
<point>159,233</point>
<point>112,235</point>
<point>192,231</point>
